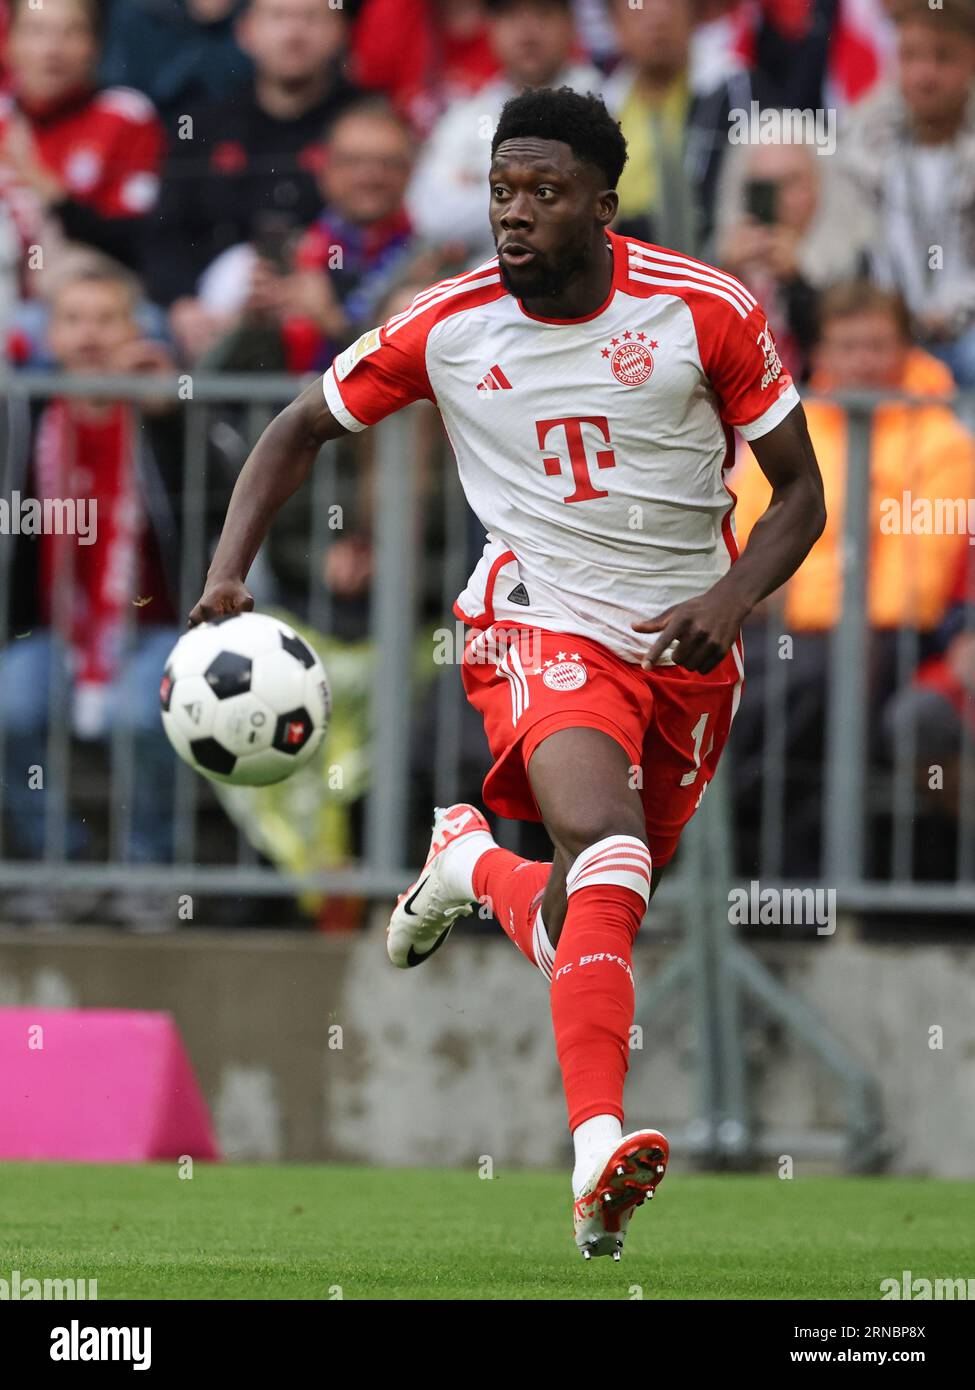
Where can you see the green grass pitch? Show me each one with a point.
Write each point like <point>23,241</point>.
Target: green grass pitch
<point>303,1232</point>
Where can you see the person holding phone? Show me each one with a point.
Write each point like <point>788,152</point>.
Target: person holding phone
<point>779,233</point>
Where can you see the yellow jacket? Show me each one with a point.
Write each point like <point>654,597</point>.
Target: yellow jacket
<point>922,451</point>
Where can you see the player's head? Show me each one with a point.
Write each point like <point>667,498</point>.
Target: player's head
<point>556,159</point>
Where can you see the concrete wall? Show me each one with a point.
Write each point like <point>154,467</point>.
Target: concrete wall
<point>314,1047</point>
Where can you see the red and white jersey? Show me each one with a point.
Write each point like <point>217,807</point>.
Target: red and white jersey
<point>105,146</point>
<point>593,450</point>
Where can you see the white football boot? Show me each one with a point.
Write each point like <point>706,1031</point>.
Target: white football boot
<point>425,913</point>
<point>620,1184</point>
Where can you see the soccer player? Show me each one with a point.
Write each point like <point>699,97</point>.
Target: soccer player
<point>590,385</point>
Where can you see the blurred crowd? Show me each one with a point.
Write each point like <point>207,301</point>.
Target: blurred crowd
<point>245,186</point>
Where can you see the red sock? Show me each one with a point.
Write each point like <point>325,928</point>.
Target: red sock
<point>592,984</point>
<point>513,888</point>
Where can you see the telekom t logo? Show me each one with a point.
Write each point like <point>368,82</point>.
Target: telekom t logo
<point>579,460</point>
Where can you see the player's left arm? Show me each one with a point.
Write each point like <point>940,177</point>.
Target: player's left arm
<point>705,627</point>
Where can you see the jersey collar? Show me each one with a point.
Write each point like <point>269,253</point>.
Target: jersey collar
<point>618,248</point>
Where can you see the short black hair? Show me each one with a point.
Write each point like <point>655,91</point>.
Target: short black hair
<point>581,122</point>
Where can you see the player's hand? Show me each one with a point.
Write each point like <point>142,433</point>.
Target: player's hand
<point>18,151</point>
<point>703,629</point>
<point>223,599</point>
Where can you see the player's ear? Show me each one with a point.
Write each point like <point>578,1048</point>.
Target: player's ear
<point>607,206</point>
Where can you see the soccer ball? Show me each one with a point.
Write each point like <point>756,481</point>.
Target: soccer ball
<point>244,700</point>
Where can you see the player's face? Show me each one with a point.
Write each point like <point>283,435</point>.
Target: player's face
<point>545,208</point>
<point>52,49</point>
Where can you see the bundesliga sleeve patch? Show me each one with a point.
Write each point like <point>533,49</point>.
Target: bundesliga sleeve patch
<point>361,348</point>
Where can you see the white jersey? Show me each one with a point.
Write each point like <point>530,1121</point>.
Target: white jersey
<point>593,450</point>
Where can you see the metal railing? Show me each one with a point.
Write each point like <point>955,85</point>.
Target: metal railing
<point>858,792</point>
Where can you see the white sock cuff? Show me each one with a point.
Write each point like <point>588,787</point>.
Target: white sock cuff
<point>542,948</point>
<point>621,860</point>
<point>464,854</point>
<point>593,1141</point>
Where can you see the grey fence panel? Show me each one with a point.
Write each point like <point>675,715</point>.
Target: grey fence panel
<point>393,626</point>
<point>966,789</point>
<point>966,800</point>
<point>774,749</point>
<point>193,564</point>
<point>843,811</point>
<point>856,791</point>
<point>449,691</point>
<point>56,768</point>
<point>122,742</point>
<point>323,492</point>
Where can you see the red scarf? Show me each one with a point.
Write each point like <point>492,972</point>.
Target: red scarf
<point>86,590</point>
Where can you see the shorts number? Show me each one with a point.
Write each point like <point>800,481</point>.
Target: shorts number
<point>689,778</point>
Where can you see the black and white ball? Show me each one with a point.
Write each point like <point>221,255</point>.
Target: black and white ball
<point>244,700</point>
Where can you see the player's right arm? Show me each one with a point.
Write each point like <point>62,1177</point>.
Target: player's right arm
<point>278,465</point>
<point>378,374</point>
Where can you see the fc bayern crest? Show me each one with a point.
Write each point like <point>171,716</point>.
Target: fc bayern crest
<point>630,359</point>
<point>565,672</point>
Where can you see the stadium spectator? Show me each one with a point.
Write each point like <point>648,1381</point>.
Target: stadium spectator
<point>813,53</point>
<point>4,28</point>
<point>865,344</point>
<point>297,305</point>
<point>448,197</point>
<point>76,162</point>
<point>96,608</point>
<point>909,150</point>
<point>676,136</point>
<point>784,229</point>
<point>932,722</point>
<point>179,52</point>
<point>597,37</point>
<point>715,42</point>
<point>28,339</point>
<point>422,54</point>
<point>249,162</point>
<point>921,452</point>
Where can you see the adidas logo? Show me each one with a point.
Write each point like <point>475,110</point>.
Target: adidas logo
<point>519,594</point>
<point>495,380</point>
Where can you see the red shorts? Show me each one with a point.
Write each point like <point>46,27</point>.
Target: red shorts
<point>672,723</point>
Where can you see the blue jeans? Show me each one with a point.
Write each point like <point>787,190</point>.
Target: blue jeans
<point>26,669</point>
